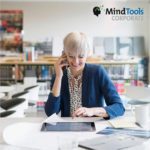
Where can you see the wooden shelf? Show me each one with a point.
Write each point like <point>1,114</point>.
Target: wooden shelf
<point>43,68</point>
<point>49,60</point>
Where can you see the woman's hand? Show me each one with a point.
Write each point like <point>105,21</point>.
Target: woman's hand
<point>61,62</point>
<point>89,112</point>
<point>83,111</point>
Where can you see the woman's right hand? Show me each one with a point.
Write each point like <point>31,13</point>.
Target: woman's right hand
<point>60,63</point>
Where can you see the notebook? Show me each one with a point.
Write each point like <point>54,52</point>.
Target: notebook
<point>123,122</point>
<point>111,142</point>
<point>68,126</point>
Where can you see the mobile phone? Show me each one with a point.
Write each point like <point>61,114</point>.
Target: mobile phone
<point>64,61</point>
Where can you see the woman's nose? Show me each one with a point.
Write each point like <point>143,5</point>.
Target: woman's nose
<point>76,61</point>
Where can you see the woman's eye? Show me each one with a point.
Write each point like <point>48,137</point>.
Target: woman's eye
<point>71,56</point>
<point>81,56</point>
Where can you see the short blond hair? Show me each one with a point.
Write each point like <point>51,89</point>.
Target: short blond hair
<point>77,43</point>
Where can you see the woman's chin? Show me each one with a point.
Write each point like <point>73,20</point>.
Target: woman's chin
<point>75,68</point>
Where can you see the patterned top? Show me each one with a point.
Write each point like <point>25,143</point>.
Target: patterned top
<point>75,89</point>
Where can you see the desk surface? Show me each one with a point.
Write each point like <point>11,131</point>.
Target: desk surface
<point>4,122</point>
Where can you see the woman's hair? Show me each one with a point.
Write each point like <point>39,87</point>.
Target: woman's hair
<point>76,43</point>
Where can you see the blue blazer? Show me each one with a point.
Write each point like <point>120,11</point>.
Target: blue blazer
<point>97,87</point>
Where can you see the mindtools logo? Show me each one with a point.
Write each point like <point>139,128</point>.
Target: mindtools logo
<point>98,9</point>
<point>120,14</point>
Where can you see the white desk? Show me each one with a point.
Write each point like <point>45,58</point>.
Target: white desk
<point>4,122</point>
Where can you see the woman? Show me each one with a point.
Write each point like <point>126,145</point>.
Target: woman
<point>79,90</point>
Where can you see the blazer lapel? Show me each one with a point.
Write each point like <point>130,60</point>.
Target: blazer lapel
<point>67,94</point>
<point>85,86</point>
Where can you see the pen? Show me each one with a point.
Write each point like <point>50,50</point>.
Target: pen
<point>138,124</point>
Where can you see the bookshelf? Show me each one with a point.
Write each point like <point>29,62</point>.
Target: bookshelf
<point>121,72</point>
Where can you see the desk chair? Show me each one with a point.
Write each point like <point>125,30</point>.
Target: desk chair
<point>2,83</point>
<point>30,87</point>
<point>11,103</point>
<point>24,95</point>
<point>7,113</point>
<point>2,100</point>
<point>15,104</point>
<point>19,94</point>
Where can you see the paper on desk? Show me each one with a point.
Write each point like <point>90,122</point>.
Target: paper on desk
<point>117,142</point>
<point>53,118</point>
<point>123,122</point>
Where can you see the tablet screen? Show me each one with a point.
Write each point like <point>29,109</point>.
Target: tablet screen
<point>68,126</point>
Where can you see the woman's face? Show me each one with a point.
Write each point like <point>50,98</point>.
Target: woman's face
<point>76,62</point>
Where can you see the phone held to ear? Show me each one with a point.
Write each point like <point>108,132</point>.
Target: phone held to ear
<point>64,61</point>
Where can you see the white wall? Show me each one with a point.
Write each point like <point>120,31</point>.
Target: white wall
<point>56,19</point>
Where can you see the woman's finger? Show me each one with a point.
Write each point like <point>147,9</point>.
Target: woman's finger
<point>62,65</point>
<point>80,112</point>
<point>61,60</point>
<point>79,109</point>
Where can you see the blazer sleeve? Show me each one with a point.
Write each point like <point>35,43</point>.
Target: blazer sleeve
<point>53,103</point>
<point>113,101</point>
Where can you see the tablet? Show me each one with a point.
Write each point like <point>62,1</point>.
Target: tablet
<point>68,126</point>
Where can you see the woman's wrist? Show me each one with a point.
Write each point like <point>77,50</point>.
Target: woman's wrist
<point>100,112</point>
<point>58,77</point>
<point>57,86</point>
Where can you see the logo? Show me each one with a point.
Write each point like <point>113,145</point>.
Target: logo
<point>124,13</point>
<point>97,10</point>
